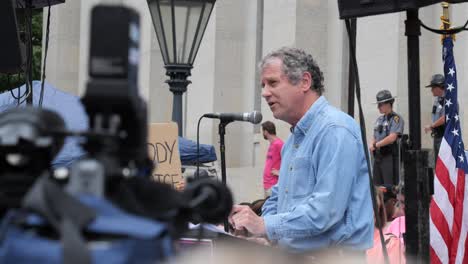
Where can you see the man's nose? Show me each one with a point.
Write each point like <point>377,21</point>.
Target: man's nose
<point>265,92</point>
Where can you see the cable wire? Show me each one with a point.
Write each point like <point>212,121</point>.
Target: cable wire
<point>46,48</point>
<point>445,31</point>
<point>29,51</point>
<point>197,174</point>
<point>352,49</point>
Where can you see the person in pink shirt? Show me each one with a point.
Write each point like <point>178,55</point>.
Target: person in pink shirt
<point>395,248</point>
<point>273,158</point>
<point>398,227</point>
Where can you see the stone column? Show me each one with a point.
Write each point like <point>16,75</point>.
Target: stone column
<point>64,46</point>
<point>279,31</point>
<point>234,74</point>
<point>377,51</point>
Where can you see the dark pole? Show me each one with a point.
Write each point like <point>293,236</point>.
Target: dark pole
<point>351,80</point>
<point>417,180</point>
<point>178,86</point>
<point>413,31</point>
<point>411,196</point>
<point>222,150</point>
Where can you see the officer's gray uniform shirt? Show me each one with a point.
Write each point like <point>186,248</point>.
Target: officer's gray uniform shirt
<point>438,109</point>
<point>384,163</point>
<point>386,125</point>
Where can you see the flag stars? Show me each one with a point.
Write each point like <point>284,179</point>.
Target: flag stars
<point>451,71</point>
<point>462,160</point>
<point>447,118</point>
<point>456,117</point>
<point>450,87</point>
<point>455,132</point>
<point>448,103</point>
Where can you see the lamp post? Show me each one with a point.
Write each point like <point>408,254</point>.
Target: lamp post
<point>179,25</point>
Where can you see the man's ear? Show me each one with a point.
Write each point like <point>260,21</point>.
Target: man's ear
<point>306,81</point>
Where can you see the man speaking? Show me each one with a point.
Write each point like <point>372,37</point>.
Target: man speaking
<point>322,199</point>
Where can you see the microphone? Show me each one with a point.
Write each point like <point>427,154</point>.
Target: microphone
<point>210,200</point>
<point>253,117</point>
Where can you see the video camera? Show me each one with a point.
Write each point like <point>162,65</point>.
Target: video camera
<point>117,167</point>
<point>118,126</point>
<point>26,151</point>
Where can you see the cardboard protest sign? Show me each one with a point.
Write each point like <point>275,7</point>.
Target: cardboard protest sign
<point>163,150</point>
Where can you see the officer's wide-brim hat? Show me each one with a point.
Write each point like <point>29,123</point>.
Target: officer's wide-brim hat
<point>384,96</point>
<point>386,100</point>
<point>437,80</point>
<point>435,85</point>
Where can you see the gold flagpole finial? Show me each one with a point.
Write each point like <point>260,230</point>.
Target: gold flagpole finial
<point>445,18</point>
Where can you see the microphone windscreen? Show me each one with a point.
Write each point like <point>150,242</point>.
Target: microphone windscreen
<point>210,200</point>
<point>256,117</point>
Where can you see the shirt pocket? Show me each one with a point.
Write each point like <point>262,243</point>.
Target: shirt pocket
<point>439,109</point>
<point>303,177</point>
<point>377,127</point>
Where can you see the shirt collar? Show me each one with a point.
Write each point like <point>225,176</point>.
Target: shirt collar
<point>306,121</point>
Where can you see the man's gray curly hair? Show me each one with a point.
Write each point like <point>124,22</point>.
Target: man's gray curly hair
<point>295,63</point>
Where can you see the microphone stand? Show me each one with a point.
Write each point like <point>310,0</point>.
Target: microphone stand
<point>222,150</point>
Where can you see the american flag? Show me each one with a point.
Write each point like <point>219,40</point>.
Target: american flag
<point>449,205</point>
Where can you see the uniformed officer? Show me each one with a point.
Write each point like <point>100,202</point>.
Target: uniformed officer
<point>437,127</point>
<point>384,143</point>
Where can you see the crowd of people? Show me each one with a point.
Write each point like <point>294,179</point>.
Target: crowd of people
<point>317,189</point>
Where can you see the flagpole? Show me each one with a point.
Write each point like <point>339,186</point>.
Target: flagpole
<point>445,19</point>
<point>451,168</point>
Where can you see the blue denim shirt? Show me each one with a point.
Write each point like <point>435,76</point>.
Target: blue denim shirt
<point>322,198</point>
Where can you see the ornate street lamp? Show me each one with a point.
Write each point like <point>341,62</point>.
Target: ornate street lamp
<point>179,25</point>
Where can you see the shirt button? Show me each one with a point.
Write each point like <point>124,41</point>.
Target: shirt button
<point>286,191</point>
<point>296,146</point>
<point>290,168</point>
